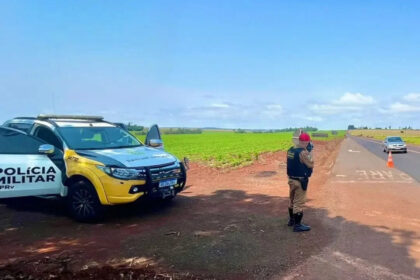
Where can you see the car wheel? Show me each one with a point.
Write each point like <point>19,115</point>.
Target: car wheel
<point>83,202</point>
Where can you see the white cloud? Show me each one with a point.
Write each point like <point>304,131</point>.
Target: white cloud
<point>399,107</point>
<point>272,111</point>
<point>313,118</point>
<point>331,109</point>
<point>349,102</point>
<point>220,105</point>
<point>308,118</point>
<point>354,99</point>
<point>275,107</point>
<point>412,97</point>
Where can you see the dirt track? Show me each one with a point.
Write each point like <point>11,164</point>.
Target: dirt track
<point>228,224</point>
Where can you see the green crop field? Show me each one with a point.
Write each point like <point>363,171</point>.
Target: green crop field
<point>409,136</point>
<point>228,149</point>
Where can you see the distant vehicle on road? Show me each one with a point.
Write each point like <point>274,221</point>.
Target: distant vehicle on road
<point>394,144</point>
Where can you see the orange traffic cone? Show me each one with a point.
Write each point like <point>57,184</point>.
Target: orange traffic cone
<point>390,162</point>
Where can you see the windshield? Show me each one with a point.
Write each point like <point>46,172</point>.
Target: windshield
<point>87,138</point>
<point>395,139</point>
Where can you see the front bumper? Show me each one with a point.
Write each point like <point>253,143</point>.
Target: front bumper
<point>127,191</point>
<point>152,189</point>
<point>397,149</point>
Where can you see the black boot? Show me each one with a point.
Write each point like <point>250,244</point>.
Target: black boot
<point>298,227</point>
<point>291,218</point>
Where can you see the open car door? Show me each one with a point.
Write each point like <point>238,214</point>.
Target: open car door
<point>153,137</point>
<point>27,166</point>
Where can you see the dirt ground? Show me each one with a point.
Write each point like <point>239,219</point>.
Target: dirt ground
<point>227,224</point>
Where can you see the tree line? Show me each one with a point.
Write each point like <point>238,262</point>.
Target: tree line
<point>289,129</point>
<point>353,127</point>
<point>141,130</point>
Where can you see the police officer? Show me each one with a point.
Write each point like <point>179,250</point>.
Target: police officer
<point>299,169</point>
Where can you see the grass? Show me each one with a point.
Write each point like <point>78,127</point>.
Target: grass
<point>409,136</point>
<point>228,149</point>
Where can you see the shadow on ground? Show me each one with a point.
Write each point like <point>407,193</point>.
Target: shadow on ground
<point>230,234</point>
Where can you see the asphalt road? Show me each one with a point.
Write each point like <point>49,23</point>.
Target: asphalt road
<point>374,213</point>
<point>408,163</point>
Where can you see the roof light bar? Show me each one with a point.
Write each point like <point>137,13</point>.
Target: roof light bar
<point>70,117</point>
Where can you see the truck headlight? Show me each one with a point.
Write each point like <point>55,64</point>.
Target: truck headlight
<point>124,173</point>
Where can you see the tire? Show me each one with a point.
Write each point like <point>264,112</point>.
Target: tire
<point>83,202</point>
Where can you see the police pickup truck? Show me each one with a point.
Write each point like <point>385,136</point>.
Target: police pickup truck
<point>87,160</point>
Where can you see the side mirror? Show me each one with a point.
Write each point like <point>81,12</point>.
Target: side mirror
<point>46,149</point>
<point>155,143</point>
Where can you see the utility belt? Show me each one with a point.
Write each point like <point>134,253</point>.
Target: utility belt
<point>303,181</point>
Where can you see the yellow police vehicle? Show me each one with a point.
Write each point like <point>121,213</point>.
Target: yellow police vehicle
<point>87,160</point>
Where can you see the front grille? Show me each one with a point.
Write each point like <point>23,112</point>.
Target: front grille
<point>158,174</point>
<point>155,174</point>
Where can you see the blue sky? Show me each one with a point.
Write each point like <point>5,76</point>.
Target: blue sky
<point>232,64</point>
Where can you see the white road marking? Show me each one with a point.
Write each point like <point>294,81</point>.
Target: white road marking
<point>351,151</point>
<point>382,175</point>
<point>370,269</point>
<point>375,176</point>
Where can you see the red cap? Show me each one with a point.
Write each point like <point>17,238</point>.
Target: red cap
<point>304,137</point>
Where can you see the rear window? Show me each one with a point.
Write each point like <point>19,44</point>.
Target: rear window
<point>13,142</point>
<point>25,127</point>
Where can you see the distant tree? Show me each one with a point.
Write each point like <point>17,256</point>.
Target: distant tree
<point>135,127</point>
<point>310,128</point>
<point>351,127</point>
<point>291,129</point>
<point>182,131</point>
